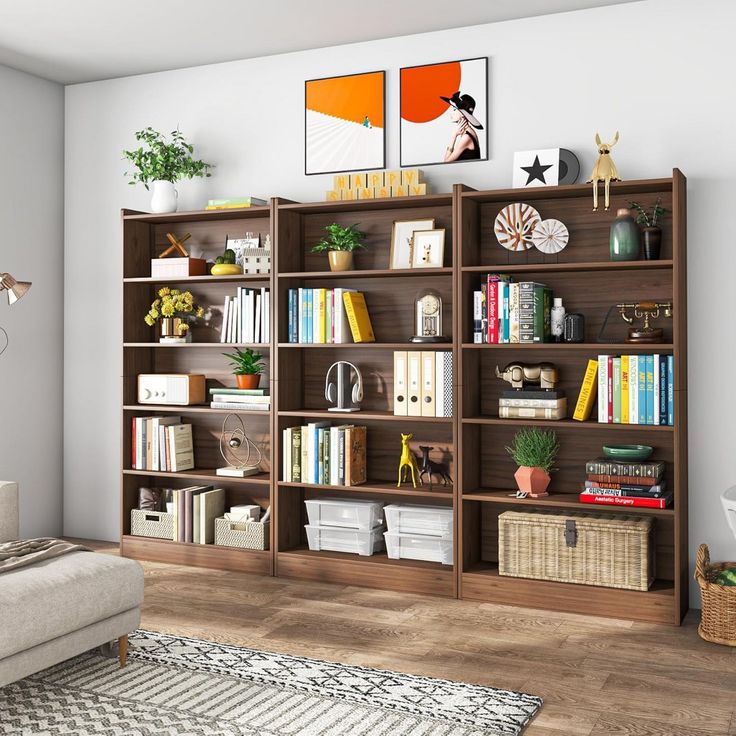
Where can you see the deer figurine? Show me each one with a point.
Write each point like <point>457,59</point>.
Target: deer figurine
<point>408,462</point>
<point>604,170</point>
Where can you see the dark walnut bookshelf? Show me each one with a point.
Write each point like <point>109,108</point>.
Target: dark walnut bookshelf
<point>473,438</point>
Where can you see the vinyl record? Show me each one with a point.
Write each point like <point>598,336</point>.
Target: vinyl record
<point>515,225</point>
<point>550,236</point>
<point>569,167</point>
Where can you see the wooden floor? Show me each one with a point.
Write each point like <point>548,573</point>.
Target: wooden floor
<point>598,677</point>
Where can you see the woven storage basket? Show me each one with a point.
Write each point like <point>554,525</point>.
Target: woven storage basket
<point>613,551</point>
<point>156,524</point>
<point>718,617</point>
<point>245,534</point>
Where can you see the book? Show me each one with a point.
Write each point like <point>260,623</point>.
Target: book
<point>358,317</point>
<point>239,406</point>
<point>588,390</point>
<point>644,469</point>
<point>235,203</point>
<point>652,503</point>
<point>535,403</point>
<point>616,390</point>
<point>609,390</point>
<point>662,390</point>
<point>181,447</point>
<point>513,312</point>
<point>286,462</point>
<point>624,389</point>
<point>212,506</point>
<point>630,487</point>
<point>649,388</point>
<point>523,412</point>
<point>242,398</point>
<point>606,480</point>
<point>478,317</point>
<point>671,390</point>
<point>656,376</point>
<point>542,330</point>
<point>531,393</point>
<point>633,389</point>
<point>240,391</point>
<point>603,389</point>
<point>341,327</point>
<point>156,424</point>
<point>603,490</point>
<point>443,382</point>
<point>296,454</point>
<point>355,450</point>
<point>642,391</point>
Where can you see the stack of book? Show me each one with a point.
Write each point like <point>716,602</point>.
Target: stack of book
<point>195,511</point>
<point>240,399</point>
<point>326,316</point>
<point>423,383</point>
<point>246,317</point>
<point>162,444</point>
<point>325,454</point>
<point>505,311</point>
<point>632,389</point>
<point>235,203</point>
<point>532,404</point>
<point>626,484</point>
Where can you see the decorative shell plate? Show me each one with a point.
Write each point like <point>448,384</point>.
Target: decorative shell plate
<point>550,236</point>
<point>515,225</point>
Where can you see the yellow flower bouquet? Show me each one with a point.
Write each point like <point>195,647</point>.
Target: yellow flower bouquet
<point>173,304</point>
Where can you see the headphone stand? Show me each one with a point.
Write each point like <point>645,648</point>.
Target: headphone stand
<point>344,390</point>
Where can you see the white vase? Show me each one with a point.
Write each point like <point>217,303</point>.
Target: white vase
<point>164,197</point>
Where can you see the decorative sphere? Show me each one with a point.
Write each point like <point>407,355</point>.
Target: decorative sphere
<point>234,442</point>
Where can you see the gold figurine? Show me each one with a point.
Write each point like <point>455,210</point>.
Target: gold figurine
<point>647,311</point>
<point>604,170</point>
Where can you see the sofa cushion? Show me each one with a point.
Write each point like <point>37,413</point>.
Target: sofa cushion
<point>52,598</point>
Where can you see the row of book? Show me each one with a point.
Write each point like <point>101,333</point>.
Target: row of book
<point>615,483</point>
<point>631,389</point>
<point>506,311</point>
<point>195,510</point>
<point>246,317</point>
<point>162,444</point>
<point>240,399</point>
<point>235,203</point>
<point>532,404</point>
<point>327,316</point>
<point>321,453</point>
<point>423,383</point>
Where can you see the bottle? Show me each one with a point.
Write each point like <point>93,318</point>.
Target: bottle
<point>557,317</point>
<point>625,239</point>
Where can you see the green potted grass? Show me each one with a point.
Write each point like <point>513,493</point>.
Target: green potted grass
<point>534,451</point>
<point>339,244</point>
<point>247,366</point>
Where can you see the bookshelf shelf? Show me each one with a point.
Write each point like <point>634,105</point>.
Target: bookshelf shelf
<point>573,347</point>
<point>566,424</point>
<point>371,416</point>
<point>369,273</point>
<point>370,345</point>
<point>184,345</point>
<point>237,278</point>
<point>207,474</point>
<point>161,408</point>
<point>243,213</point>
<point>439,492</point>
<point>571,266</point>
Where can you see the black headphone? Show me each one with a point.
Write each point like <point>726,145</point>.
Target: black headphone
<point>331,389</point>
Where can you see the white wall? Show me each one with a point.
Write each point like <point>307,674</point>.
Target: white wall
<point>659,71</point>
<point>32,249</point>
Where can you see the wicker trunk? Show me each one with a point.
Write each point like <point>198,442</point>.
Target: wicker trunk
<point>614,551</point>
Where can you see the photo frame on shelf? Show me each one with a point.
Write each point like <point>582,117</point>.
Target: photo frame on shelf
<point>402,238</point>
<point>428,248</point>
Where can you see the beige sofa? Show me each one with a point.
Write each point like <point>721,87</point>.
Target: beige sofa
<point>58,608</point>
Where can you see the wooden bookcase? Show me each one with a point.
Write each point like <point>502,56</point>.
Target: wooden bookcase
<point>474,438</point>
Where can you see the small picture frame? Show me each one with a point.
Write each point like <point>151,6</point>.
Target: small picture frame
<point>428,249</point>
<point>402,236</point>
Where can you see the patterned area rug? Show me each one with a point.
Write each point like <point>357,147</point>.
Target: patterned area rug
<point>175,686</point>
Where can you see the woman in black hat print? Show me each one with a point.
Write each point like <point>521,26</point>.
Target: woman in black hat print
<point>464,144</point>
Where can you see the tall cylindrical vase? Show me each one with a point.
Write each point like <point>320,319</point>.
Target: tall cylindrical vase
<point>652,243</point>
<point>164,198</point>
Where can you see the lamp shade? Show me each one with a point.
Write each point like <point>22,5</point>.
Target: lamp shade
<point>15,289</point>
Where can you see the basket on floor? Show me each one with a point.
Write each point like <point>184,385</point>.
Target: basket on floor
<point>718,619</point>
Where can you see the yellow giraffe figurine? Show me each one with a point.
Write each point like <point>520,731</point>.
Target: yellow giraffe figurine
<point>408,462</point>
<point>604,169</point>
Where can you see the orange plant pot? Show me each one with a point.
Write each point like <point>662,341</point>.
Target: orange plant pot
<point>533,481</point>
<point>248,380</point>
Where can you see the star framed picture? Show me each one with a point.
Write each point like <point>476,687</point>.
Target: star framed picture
<point>545,167</point>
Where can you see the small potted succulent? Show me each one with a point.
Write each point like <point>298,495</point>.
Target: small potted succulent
<point>648,220</point>
<point>161,164</point>
<point>339,244</point>
<point>534,451</point>
<point>173,309</point>
<point>247,367</point>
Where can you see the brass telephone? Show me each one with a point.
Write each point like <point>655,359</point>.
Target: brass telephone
<point>645,310</point>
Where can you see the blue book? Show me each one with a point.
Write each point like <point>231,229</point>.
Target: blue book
<point>671,390</point>
<point>506,320</point>
<point>302,315</point>
<point>292,325</point>
<point>663,389</point>
<point>650,389</point>
<point>308,310</point>
<point>642,386</point>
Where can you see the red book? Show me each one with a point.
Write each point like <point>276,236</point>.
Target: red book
<point>492,297</point>
<point>610,389</point>
<point>651,503</point>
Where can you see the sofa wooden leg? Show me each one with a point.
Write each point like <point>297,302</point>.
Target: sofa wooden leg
<point>123,650</point>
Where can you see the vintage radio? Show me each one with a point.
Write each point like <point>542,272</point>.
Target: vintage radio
<point>180,389</point>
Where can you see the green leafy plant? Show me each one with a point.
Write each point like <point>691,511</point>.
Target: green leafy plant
<point>163,159</point>
<point>535,448</point>
<point>649,217</point>
<point>245,362</point>
<point>340,238</point>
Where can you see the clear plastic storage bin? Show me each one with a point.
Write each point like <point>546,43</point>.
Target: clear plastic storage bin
<point>335,539</point>
<point>435,521</point>
<point>419,547</point>
<point>345,512</point>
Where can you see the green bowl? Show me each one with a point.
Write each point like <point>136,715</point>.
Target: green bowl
<point>627,452</point>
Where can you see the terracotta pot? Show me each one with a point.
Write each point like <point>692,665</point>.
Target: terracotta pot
<point>248,380</point>
<point>533,481</point>
<point>340,260</point>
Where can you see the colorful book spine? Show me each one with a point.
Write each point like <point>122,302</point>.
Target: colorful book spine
<point>633,389</point>
<point>642,384</point>
<point>616,389</point>
<point>603,389</point>
<point>588,390</point>
<point>505,324</point>
<point>671,390</point>
<point>514,312</point>
<point>484,310</point>
<point>477,317</point>
<point>650,388</point>
<point>651,503</point>
<point>656,389</point>
<point>358,317</point>
<point>609,391</point>
<point>662,390</point>
<point>625,389</point>
<point>310,316</point>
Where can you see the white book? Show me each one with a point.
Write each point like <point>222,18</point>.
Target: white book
<point>265,303</point>
<point>162,447</point>
<point>251,315</point>
<point>241,320</point>
<point>230,316</point>
<point>225,313</point>
<point>300,316</point>
<point>156,424</point>
<point>138,423</point>
<point>657,387</point>
<point>258,321</point>
<point>477,315</point>
<point>603,389</point>
<point>286,453</point>
<point>633,389</point>
<point>334,456</point>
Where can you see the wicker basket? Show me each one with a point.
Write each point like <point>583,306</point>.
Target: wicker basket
<point>156,524</point>
<point>244,534</point>
<point>718,617</point>
<point>614,551</point>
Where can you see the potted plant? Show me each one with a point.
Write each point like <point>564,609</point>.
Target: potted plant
<point>339,244</point>
<point>173,308</point>
<point>247,367</point>
<point>162,163</point>
<point>534,451</point>
<point>648,220</point>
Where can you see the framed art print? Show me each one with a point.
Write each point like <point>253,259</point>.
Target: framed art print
<point>444,112</point>
<point>428,249</point>
<point>344,123</point>
<point>402,241</point>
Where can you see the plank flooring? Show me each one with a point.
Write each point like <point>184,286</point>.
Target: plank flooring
<point>598,677</point>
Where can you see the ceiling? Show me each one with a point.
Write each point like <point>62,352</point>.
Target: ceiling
<point>73,41</point>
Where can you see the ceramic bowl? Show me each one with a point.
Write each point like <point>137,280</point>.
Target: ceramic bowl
<point>627,452</point>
